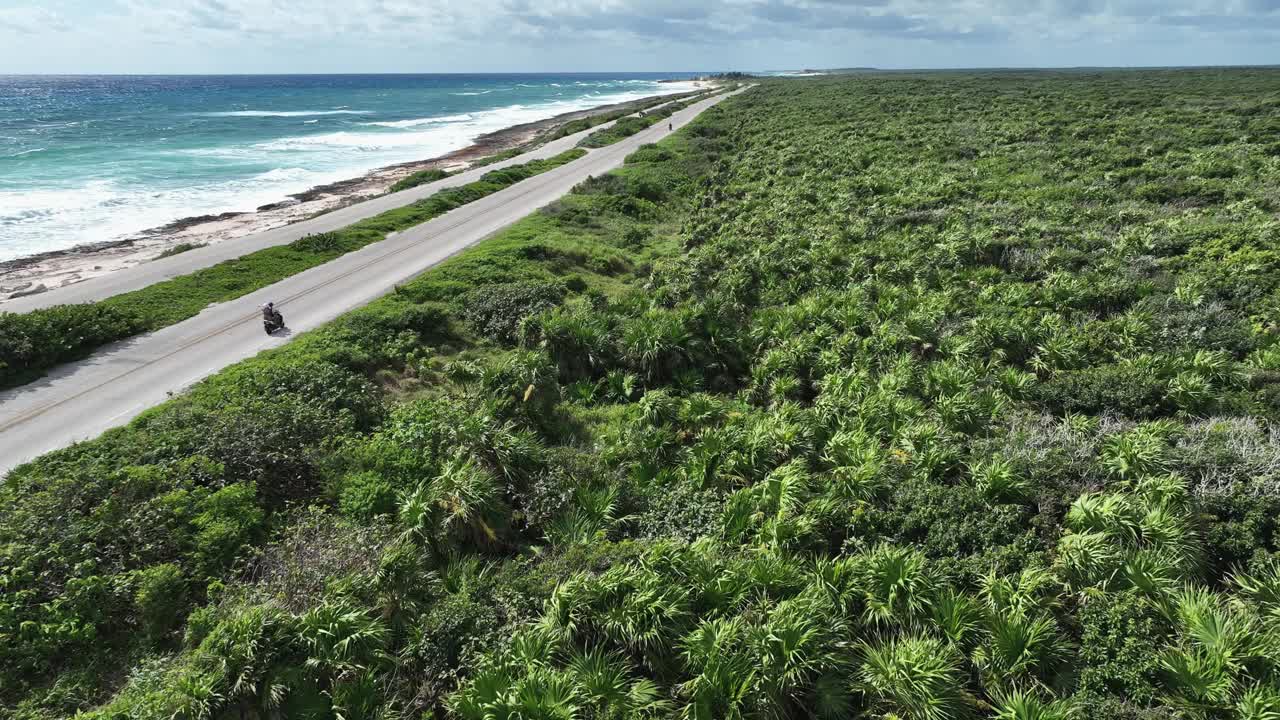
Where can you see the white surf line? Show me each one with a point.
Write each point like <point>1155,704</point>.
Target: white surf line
<point>149,273</point>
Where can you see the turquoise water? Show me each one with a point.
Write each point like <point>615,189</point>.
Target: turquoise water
<point>88,159</point>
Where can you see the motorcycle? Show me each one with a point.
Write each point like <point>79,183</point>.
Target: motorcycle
<point>273,323</point>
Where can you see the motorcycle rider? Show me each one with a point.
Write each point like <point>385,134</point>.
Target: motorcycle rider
<point>272,320</point>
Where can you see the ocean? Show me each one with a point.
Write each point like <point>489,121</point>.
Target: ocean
<point>96,158</point>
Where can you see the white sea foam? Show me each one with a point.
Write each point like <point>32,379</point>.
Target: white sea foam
<point>282,113</point>
<point>417,122</point>
<point>396,141</point>
<point>100,210</point>
<point>283,174</point>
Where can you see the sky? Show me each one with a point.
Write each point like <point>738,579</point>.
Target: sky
<point>320,36</point>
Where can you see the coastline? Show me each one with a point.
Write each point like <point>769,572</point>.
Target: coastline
<point>37,273</point>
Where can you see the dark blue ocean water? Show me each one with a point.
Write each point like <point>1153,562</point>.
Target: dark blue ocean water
<point>85,159</point>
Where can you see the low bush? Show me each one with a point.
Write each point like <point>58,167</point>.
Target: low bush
<point>496,311</point>
<point>1118,389</point>
<point>365,495</point>
<point>322,243</point>
<point>1120,642</point>
<point>160,598</point>
<point>32,342</point>
<point>421,177</point>
<point>179,249</point>
<point>623,128</point>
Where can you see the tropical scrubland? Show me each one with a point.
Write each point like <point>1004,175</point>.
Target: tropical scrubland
<point>912,396</point>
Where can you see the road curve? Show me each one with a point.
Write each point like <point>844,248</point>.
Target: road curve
<point>80,400</point>
<point>150,273</point>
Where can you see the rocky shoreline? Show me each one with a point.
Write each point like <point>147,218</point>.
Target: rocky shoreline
<point>43,271</point>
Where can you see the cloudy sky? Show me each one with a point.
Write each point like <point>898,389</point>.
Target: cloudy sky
<point>202,36</point>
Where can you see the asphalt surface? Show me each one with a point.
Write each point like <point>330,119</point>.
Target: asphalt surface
<point>80,400</point>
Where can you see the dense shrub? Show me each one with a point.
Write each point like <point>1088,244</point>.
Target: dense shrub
<point>31,342</point>
<point>1120,640</point>
<point>1108,389</point>
<point>649,152</point>
<point>1207,325</point>
<point>496,311</point>
<point>364,495</point>
<point>160,597</point>
<point>421,177</point>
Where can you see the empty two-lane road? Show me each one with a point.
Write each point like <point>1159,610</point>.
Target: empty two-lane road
<point>80,400</point>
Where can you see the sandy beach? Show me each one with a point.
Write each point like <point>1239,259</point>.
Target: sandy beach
<point>44,271</point>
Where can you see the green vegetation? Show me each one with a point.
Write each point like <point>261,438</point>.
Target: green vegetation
<point>576,126</point>
<point>422,177</point>
<point>499,157</point>
<point>179,249</point>
<point>632,124</point>
<point>909,396</point>
<point>31,343</point>
<point>586,123</point>
<point>624,128</point>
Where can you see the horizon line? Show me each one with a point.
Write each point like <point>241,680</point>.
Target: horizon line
<point>661,72</point>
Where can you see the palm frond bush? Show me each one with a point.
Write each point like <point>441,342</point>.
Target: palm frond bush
<point>919,678</point>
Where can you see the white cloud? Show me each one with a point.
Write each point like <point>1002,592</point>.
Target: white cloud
<point>459,35</point>
<point>31,21</point>
<point>692,20</point>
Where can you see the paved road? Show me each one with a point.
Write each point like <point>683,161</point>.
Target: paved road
<point>149,273</point>
<point>81,400</point>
